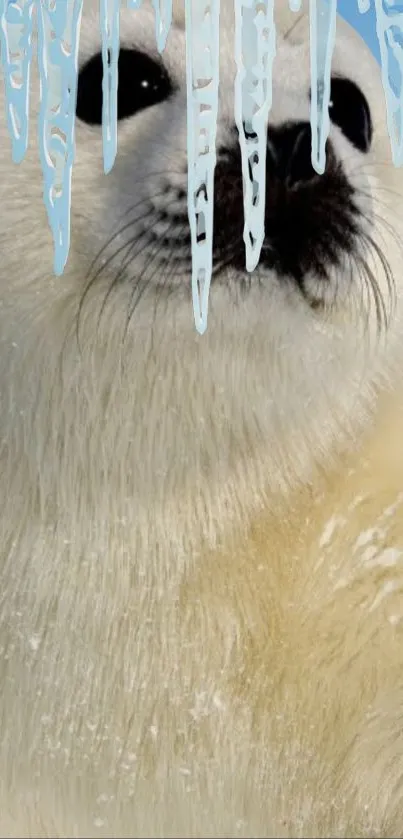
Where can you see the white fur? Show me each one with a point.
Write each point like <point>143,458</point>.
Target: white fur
<point>193,640</point>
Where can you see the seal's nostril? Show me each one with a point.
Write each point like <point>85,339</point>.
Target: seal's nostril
<point>300,167</point>
<point>289,148</point>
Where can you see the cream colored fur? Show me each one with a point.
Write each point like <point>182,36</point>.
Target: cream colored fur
<point>201,579</point>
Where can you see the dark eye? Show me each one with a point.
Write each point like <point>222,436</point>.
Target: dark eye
<point>142,82</point>
<point>349,110</point>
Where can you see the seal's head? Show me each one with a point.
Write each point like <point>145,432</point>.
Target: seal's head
<point>293,348</point>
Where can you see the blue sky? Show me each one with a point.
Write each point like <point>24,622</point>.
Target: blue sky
<point>364,23</point>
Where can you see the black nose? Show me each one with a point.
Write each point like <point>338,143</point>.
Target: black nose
<point>309,219</point>
<point>289,153</point>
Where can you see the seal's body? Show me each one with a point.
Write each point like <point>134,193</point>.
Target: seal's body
<point>201,537</point>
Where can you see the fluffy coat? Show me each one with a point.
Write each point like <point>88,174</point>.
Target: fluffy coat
<point>201,567</point>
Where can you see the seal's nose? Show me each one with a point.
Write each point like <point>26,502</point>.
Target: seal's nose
<point>309,219</point>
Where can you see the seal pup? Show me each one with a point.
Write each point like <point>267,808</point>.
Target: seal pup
<point>201,537</point>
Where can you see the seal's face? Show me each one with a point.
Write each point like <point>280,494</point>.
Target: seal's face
<point>324,235</point>
<point>292,351</point>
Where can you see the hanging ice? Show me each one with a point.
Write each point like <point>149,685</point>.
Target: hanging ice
<point>202,70</point>
<point>163,20</point>
<point>295,5</point>
<point>323,32</point>
<point>255,46</point>
<point>16,52</point>
<point>110,18</point>
<point>389,26</point>
<point>58,35</point>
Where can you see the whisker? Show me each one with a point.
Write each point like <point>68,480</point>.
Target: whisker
<point>132,253</point>
<point>382,314</point>
<point>92,282</point>
<point>169,270</point>
<point>141,287</point>
<point>119,231</point>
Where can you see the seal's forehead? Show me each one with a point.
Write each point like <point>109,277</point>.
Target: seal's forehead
<point>284,17</point>
<point>137,29</point>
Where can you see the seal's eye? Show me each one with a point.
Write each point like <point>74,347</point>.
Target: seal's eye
<point>142,82</point>
<point>349,110</point>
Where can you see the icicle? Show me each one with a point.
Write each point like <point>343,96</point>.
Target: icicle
<point>295,5</point>
<point>255,46</point>
<point>202,70</point>
<point>110,18</point>
<point>389,27</point>
<point>58,35</point>
<point>364,6</point>
<point>163,20</point>
<point>322,16</point>
<point>16,52</point>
